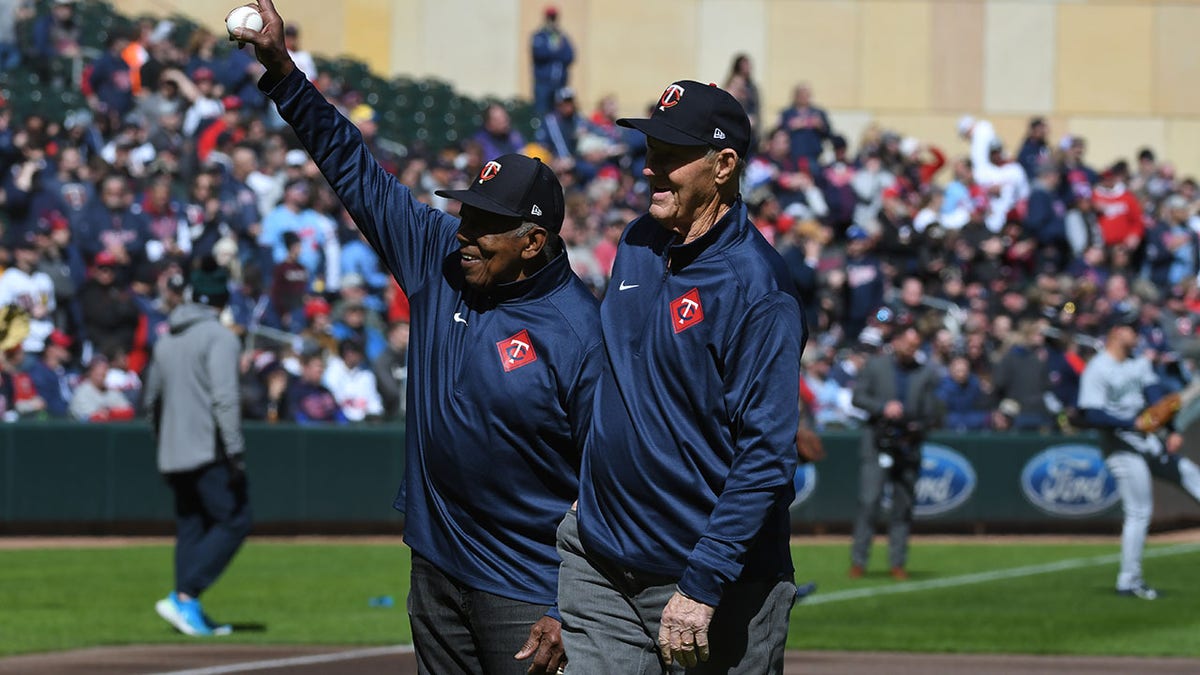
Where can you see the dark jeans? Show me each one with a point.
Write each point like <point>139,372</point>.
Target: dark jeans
<point>457,629</point>
<point>212,519</point>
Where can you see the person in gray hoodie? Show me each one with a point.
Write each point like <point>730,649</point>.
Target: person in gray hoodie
<point>191,396</point>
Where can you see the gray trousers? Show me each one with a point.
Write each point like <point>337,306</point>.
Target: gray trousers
<point>871,480</point>
<point>611,618</point>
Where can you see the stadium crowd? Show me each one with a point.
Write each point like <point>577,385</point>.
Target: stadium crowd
<point>1008,259</point>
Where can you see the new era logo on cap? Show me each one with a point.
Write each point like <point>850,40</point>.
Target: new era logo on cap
<point>691,113</point>
<point>515,186</point>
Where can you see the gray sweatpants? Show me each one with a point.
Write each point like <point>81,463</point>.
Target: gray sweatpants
<point>871,480</point>
<point>611,618</point>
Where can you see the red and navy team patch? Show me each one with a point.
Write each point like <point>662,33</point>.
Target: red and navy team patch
<point>686,311</point>
<point>516,351</point>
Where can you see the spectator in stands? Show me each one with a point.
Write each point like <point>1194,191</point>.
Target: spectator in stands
<point>24,285</point>
<point>1022,376</point>
<point>303,60</point>
<point>50,377</point>
<point>11,11</point>
<point>295,216</point>
<point>1034,154</point>
<point>963,398</point>
<point>204,100</point>
<point>121,378</point>
<point>56,34</point>
<point>359,258</point>
<point>353,324</point>
<point>552,58</point>
<point>319,332</point>
<point>353,291</point>
<point>61,260</point>
<point>208,140</point>
<point>791,184</point>
<point>808,126</point>
<point>240,200</point>
<point>980,134</point>
<point>367,120</point>
<point>1045,217</point>
<point>1078,178</point>
<point>251,306</point>
<point>497,137</point>
<point>868,183</point>
<point>1172,248</point>
<point>865,283</point>
<point>391,371</point>
<point>740,83</point>
<point>169,240</point>
<point>560,131</point>
<point>93,401</point>
<point>349,378</point>
<point>110,313</point>
<point>201,50</point>
<point>289,284</point>
<point>1119,212</point>
<point>309,401</point>
<point>112,226</point>
<point>111,80</point>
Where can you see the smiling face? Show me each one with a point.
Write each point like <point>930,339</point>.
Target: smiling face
<point>682,183</point>
<point>492,249</point>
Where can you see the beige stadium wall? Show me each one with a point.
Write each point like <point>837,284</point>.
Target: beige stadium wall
<point>1122,73</point>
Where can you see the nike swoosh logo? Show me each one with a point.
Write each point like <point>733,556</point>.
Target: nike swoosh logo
<point>459,319</point>
<point>624,287</point>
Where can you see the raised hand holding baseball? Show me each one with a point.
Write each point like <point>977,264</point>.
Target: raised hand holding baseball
<point>268,43</point>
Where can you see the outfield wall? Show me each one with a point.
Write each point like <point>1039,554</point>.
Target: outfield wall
<point>84,479</point>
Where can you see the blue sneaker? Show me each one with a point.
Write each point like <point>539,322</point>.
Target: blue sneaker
<point>187,617</point>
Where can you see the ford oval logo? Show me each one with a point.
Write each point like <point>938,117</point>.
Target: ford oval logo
<point>1069,480</point>
<point>805,482</point>
<point>947,480</point>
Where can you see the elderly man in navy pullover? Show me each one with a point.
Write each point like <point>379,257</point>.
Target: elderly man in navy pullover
<point>679,551</point>
<point>503,362</point>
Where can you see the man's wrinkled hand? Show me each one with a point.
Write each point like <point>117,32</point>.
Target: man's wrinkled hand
<point>545,646</point>
<point>683,635</point>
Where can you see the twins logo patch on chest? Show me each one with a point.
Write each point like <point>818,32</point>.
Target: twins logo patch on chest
<point>686,311</point>
<point>516,351</point>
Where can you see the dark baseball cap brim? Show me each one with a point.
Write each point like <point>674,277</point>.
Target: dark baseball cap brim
<point>661,131</point>
<point>481,202</point>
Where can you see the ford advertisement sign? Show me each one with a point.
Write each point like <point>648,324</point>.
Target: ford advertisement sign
<point>947,480</point>
<point>1069,480</point>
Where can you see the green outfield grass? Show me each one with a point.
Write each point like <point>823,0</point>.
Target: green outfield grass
<point>282,593</point>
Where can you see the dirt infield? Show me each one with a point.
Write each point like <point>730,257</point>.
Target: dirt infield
<point>215,659</point>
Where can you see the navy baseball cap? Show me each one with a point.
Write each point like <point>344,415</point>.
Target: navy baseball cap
<point>515,186</point>
<point>691,113</point>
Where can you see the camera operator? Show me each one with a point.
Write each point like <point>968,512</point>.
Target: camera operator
<point>899,393</point>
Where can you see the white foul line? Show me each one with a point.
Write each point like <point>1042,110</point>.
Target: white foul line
<point>983,577</point>
<point>296,661</point>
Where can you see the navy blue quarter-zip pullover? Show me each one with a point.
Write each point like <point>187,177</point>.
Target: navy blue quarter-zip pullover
<point>500,384</point>
<point>688,472</point>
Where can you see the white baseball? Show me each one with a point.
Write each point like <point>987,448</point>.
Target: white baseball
<point>244,17</point>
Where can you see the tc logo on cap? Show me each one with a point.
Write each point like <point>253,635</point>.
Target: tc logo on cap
<point>489,171</point>
<point>686,311</point>
<point>670,97</point>
<point>516,351</point>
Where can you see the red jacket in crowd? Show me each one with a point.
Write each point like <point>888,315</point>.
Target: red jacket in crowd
<point>1119,214</point>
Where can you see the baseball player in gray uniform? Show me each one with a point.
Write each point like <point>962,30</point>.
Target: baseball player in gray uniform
<point>1114,388</point>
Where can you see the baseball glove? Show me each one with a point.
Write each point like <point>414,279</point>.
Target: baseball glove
<point>809,446</point>
<point>1156,416</point>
